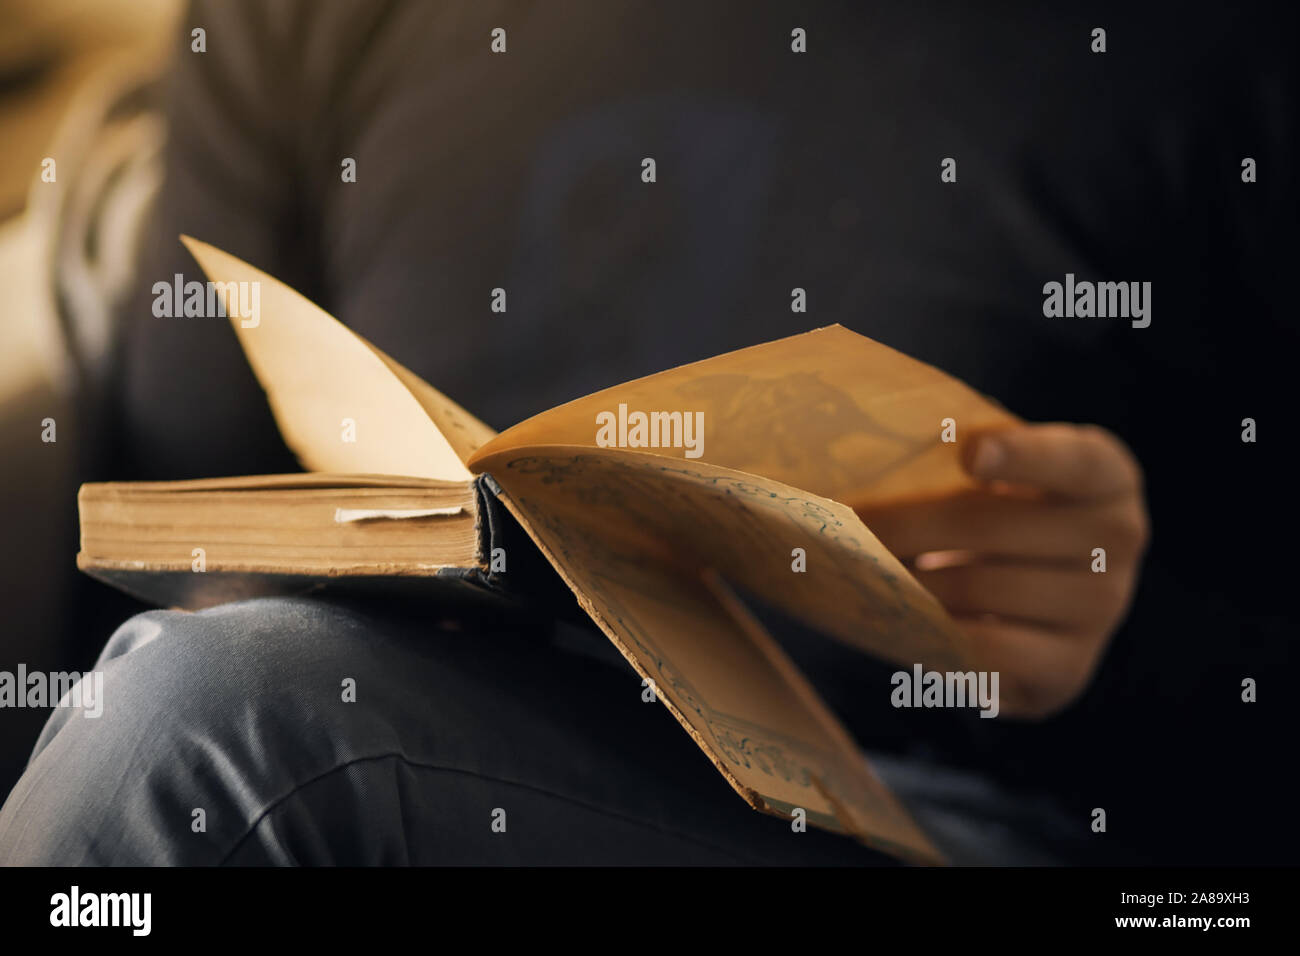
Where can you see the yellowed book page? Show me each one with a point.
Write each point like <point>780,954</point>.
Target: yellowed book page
<point>751,531</point>
<point>465,433</point>
<point>829,411</point>
<point>651,547</point>
<point>341,404</point>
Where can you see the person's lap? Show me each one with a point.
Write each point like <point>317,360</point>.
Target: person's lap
<point>242,712</point>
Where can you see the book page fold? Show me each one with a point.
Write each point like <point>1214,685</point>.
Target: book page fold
<point>606,522</point>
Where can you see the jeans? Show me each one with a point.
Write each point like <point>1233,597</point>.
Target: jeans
<point>326,732</point>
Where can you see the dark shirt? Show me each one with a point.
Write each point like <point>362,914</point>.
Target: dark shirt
<point>819,170</point>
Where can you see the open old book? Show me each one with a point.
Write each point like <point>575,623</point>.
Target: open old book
<point>660,503</point>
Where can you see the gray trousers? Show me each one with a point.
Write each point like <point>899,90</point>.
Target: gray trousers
<point>300,731</point>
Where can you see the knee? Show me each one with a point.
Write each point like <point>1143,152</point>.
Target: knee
<point>218,711</point>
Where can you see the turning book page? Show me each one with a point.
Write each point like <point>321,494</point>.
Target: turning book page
<point>829,411</point>
<point>341,404</point>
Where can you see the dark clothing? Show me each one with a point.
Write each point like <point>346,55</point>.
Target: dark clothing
<point>821,170</point>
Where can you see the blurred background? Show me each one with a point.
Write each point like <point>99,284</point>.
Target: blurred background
<point>77,84</point>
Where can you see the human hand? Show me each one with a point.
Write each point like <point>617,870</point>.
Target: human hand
<point>1013,561</point>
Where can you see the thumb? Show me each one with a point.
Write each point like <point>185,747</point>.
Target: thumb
<point>1074,461</point>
